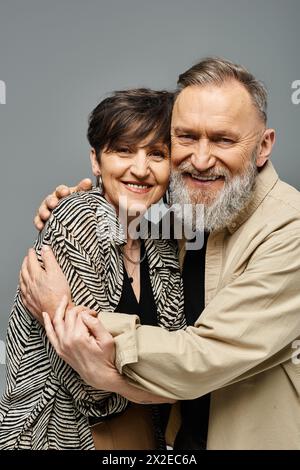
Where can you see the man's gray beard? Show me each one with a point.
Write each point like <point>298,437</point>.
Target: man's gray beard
<point>224,208</point>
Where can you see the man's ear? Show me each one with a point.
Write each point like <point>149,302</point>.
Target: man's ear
<point>95,164</point>
<point>265,147</point>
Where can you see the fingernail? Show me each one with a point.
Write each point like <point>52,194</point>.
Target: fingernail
<point>45,248</point>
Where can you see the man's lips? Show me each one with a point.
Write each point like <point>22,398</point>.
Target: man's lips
<point>204,180</point>
<point>137,187</point>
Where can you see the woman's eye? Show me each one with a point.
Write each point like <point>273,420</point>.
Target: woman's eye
<point>123,150</point>
<point>157,154</point>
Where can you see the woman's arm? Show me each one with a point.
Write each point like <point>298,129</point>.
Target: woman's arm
<point>72,334</point>
<point>81,341</point>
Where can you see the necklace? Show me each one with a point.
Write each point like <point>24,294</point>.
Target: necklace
<point>130,275</point>
<point>135,263</point>
<point>131,260</point>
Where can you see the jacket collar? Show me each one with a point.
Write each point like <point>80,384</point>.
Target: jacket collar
<point>266,179</point>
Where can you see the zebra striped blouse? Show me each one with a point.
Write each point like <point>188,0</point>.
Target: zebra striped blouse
<point>46,405</point>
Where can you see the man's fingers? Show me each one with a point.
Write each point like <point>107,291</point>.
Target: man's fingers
<point>51,202</point>
<point>85,185</point>
<point>38,223</point>
<point>51,332</point>
<point>43,212</point>
<point>62,191</point>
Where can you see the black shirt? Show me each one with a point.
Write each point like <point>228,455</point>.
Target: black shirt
<point>147,311</point>
<point>192,434</point>
<point>146,307</point>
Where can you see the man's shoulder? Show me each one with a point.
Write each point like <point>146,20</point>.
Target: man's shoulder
<point>285,198</point>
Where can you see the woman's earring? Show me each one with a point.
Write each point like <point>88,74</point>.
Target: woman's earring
<point>99,183</point>
<point>167,197</point>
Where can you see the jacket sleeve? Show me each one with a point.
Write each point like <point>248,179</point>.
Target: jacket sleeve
<point>85,397</point>
<point>246,328</point>
<point>33,367</point>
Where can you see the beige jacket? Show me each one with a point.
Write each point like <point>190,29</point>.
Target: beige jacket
<point>241,347</point>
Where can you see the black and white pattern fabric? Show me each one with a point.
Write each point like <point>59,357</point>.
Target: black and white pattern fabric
<point>46,405</point>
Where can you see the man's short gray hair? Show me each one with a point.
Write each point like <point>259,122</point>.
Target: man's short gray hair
<point>216,70</point>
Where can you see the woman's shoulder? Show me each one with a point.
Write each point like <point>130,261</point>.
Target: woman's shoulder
<point>80,207</point>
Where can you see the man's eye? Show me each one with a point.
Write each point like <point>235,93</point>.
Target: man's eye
<point>225,140</point>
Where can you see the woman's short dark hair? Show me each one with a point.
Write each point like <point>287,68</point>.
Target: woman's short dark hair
<point>129,117</point>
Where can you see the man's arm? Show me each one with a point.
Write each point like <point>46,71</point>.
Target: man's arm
<point>247,327</point>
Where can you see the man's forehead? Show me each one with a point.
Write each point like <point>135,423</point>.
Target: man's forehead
<point>227,101</point>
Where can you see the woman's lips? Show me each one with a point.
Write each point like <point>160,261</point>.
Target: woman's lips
<point>137,187</point>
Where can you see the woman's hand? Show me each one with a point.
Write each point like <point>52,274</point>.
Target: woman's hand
<point>42,289</point>
<point>80,340</point>
<point>51,201</point>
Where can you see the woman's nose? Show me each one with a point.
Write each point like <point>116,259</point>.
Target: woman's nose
<point>140,165</point>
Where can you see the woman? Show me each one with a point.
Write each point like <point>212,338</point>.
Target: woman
<point>46,405</point>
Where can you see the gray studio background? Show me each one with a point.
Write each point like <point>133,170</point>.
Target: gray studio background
<point>58,58</point>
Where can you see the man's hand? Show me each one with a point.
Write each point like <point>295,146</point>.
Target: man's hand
<point>51,201</point>
<point>42,289</point>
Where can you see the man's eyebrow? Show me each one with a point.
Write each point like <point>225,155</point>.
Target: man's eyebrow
<point>223,132</point>
<point>184,130</point>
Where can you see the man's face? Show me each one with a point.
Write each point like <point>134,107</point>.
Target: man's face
<point>215,131</point>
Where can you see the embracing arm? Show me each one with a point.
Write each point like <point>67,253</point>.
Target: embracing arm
<point>247,327</point>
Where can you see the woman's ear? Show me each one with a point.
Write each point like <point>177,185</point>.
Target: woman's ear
<point>265,147</point>
<point>94,162</point>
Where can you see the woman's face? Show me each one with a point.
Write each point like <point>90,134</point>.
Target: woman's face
<point>139,174</point>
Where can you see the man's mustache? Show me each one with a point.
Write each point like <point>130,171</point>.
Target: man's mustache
<point>188,168</point>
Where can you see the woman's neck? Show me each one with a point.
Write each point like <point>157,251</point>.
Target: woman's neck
<point>132,244</point>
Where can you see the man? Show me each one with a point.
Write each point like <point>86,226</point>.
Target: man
<point>240,348</point>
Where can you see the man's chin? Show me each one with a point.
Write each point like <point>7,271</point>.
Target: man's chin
<point>207,200</point>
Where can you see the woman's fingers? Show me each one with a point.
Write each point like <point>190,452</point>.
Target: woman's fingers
<point>51,333</point>
<point>58,318</point>
<point>101,335</point>
<point>33,265</point>
<point>24,269</point>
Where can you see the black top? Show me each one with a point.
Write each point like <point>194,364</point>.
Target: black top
<point>146,307</point>
<point>147,311</point>
<point>192,434</point>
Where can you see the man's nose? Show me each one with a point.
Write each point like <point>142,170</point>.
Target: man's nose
<point>202,158</point>
<point>140,165</point>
